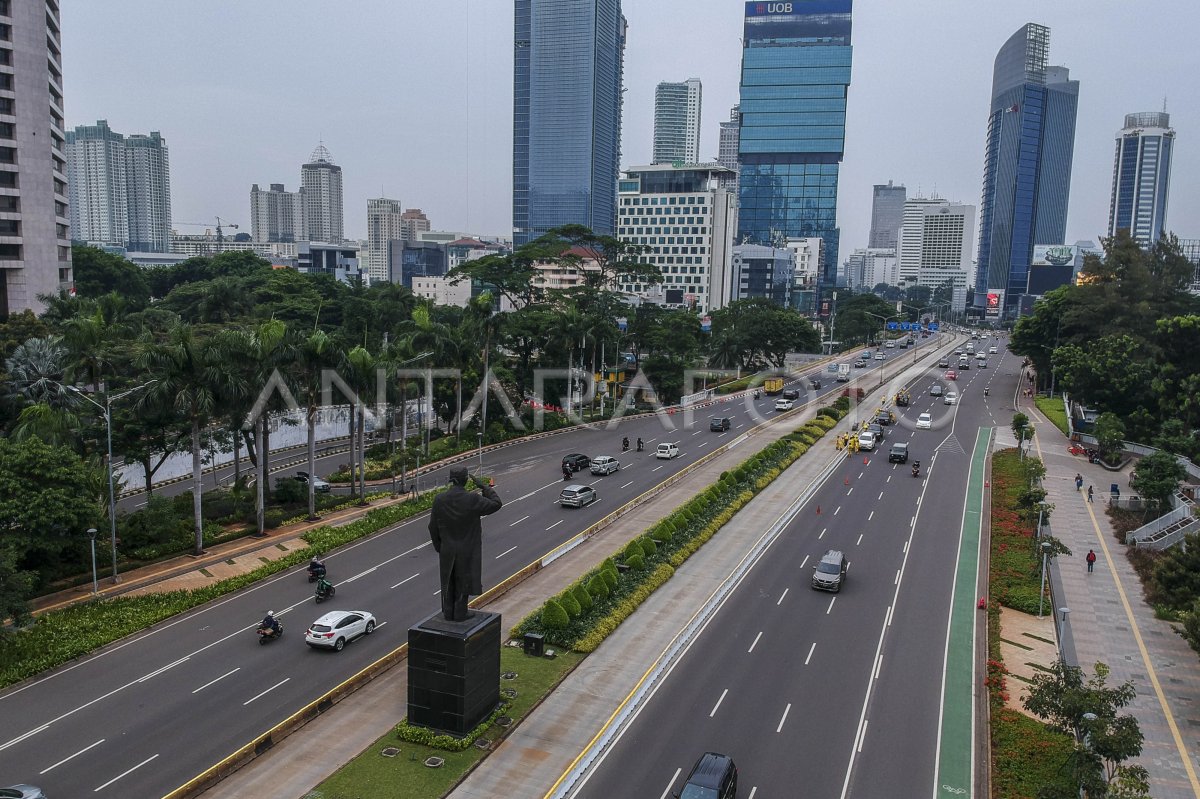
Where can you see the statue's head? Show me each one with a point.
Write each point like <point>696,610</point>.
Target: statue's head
<point>458,476</point>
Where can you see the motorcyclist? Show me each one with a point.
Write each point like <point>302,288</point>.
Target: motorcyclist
<point>324,587</point>
<point>625,444</point>
<point>985,391</point>
<point>566,472</point>
<point>757,393</point>
<point>640,445</point>
<point>916,468</point>
<point>270,623</point>
<point>316,568</point>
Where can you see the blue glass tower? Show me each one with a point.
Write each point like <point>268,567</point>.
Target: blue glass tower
<point>1141,177</point>
<point>795,78</point>
<point>568,60</point>
<point>1026,168</point>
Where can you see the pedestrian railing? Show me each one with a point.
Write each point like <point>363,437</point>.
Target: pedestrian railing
<point>1168,529</point>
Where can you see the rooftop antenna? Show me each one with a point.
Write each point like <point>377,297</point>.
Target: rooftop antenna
<point>1164,104</point>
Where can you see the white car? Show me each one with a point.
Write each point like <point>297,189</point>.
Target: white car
<point>891,345</point>
<point>979,356</point>
<point>784,405</point>
<point>925,421</point>
<point>879,356</point>
<point>666,451</point>
<point>951,398</point>
<point>338,627</point>
<point>605,464</point>
<point>991,350</point>
<point>866,440</point>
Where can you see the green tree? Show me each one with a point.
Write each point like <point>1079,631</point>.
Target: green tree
<point>315,353</point>
<point>1112,372</point>
<point>98,272</point>
<point>1110,433</point>
<point>1157,477</point>
<point>1021,429</point>
<point>1176,580</point>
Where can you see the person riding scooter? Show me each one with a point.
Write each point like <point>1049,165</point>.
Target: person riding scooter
<point>640,445</point>
<point>316,569</point>
<point>985,391</point>
<point>916,469</point>
<point>566,472</point>
<point>625,444</point>
<point>324,590</point>
<point>757,393</point>
<point>270,627</point>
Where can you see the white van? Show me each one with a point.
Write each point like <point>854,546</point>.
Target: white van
<point>666,451</point>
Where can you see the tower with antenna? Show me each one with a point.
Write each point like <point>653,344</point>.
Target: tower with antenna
<point>321,182</point>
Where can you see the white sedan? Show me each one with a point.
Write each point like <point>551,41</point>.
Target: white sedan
<point>784,405</point>
<point>991,350</point>
<point>338,627</point>
<point>925,421</point>
<point>951,398</point>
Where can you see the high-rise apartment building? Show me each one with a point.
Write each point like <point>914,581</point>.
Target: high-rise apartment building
<point>321,182</point>
<point>686,220</point>
<point>1026,168</point>
<point>795,77</point>
<point>567,67</point>
<point>936,240</point>
<point>276,215</point>
<point>383,225</point>
<point>867,268</point>
<point>763,272</point>
<point>1141,176</point>
<point>677,122</point>
<point>35,243</point>
<point>727,147</point>
<point>413,223</point>
<point>887,211</point>
<point>120,188</point>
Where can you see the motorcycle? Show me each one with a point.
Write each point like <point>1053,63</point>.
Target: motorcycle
<point>625,445</point>
<point>566,473</point>
<point>916,469</point>
<point>757,394</point>
<point>266,634</point>
<point>985,391</point>
<point>325,590</point>
<point>315,571</point>
<point>640,445</point>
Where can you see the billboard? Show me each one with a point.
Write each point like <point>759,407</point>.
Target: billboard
<point>798,19</point>
<point>995,303</point>
<point>1055,254</point>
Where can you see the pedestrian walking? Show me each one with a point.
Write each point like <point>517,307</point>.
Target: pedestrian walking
<point>1091,560</point>
<point>1090,493</point>
<point>1078,481</point>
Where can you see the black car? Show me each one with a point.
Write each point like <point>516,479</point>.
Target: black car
<point>719,424</point>
<point>576,461</point>
<point>791,393</point>
<point>713,777</point>
<point>814,384</point>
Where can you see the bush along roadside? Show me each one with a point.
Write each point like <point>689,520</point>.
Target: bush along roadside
<point>59,636</point>
<point>592,607</point>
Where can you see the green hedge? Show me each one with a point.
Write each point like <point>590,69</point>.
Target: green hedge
<point>62,635</point>
<point>427,737</point>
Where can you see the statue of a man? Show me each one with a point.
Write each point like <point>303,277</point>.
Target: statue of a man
<point>457,537</point>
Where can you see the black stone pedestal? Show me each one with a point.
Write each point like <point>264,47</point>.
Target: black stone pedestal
<point>453,672</point>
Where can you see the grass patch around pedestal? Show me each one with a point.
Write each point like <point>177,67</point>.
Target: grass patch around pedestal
<point>373,776</point>
<point>1052,409</point>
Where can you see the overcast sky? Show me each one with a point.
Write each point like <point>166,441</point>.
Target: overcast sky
<point>414,99</point>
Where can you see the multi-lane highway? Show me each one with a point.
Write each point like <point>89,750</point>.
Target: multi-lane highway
<point>841,695</point>
<point>147,714</point>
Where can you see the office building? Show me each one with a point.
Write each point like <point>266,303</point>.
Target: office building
<point>1191,251</point>
<point>413,223</point>
<point>1026,168</point>
<point>384,225</point>
<point>727,148</point>
<point>677,122</point>
<point>276,215</point>
<point>887,212</point>
<point>412,259</point>
<point>1141,177</point>
<point>120,188</point>
<point>795,78</point>
<point>869,267</point>
<point>338,260</point>
<point>321,183</point>
<point>686,220</point>
<point>567,68</point>
<point>35,242</point>
<point>936,240</point>
<point>761,271</point>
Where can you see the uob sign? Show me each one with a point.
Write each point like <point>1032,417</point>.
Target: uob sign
<point>777,8</point>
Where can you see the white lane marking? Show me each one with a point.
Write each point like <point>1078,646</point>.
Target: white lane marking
<point>839,510</point>
<point>880,495</point>
<point>696,433</point>
<point>505,552</point>
<point>518,521</point>
<point>751,649</point>
<point>71,757</point>
<point>860,474</point>
<point>871,516</point>
<point>656,468</point>
<point>850,491</point>
<point>822,535</point>
<point>859,541</point>
<point>534,491</point>
<point>829,609</point>
<point>556,524</point>
<point>863,734</point>
<point>20,738</point>
<point>913,522</point>
<point>753,791</point>
<point>264,693</point>
<point>878,665</point>
<point>786,710</point>
<point>435,593</point>
<point>360,574</point>
<point>705,443</point>
<point>670,784</point>
<point>810,651</point>
<point>781,596</point>
<point>627,485</point>
<point>804,561</point>
<point>211,682</point>
<point>157,672</point>
<point>718,704</point>
<point>405,580</point>
<point>119,776</point>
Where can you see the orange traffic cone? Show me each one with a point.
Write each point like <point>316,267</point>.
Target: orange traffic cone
<point>846,482</point>
<point>865,461</point>
<point>818,510</point>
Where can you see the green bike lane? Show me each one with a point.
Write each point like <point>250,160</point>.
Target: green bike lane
<point>956,767</point>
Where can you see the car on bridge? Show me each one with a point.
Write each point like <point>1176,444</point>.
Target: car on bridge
<point>925,421</point>
<point>339,627</point>
<point>605,464</point>
<point>576,461</point>
<point>577,495</point>
<point>951,374</point>
<point>713,777</point>
<point>866,440</point>
<point>784,404</point>
<point>668,450</point>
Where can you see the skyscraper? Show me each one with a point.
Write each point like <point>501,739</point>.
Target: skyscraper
<point>35,252</point>
<point>935,243</point>
<point>795,77</point>
<point>727,148</point>
<point>567,66</point>
<point>413,223</point>
<point>1141,176</point>
<point>276,215</point>
<point>1026,168</point>
<point>120,188</point>
<point>887,211</point>
<point>383,225</point>
<point>321,182</point>
<point>677,122</point>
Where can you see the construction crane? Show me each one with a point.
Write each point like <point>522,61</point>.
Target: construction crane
<point>221,224</point>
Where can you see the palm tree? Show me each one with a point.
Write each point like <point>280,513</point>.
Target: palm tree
<point>35,371</point>
<point>261,352</point>
<point>315,353</point>
<point>192,374</point>
<point>361,373</point>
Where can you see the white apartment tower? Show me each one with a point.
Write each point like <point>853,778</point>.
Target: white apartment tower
<point>677,122</point>
<point>687,222</point>
<point>935,244</point>
<point>727,147</point>
<point>321,183</point>
<point>385,223</point>
<point>120,188</point>
<point>276,215</point>
<point>35,242</point>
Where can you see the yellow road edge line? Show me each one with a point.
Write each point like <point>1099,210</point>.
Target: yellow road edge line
<point>1137,635</point>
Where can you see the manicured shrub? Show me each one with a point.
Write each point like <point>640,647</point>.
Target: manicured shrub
<point>570,604</point>
<point>582,597</point>
<point>661,534</point>
<point>632,549</point>
<point>598,586</point>
<point>636,562</point>
<point>272,518</point>
<point>611,577</point>
<point>649,547</point>
<point>554,616</point>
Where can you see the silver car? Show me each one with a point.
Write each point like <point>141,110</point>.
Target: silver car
<point>576,496</point>
<point>605,464</point>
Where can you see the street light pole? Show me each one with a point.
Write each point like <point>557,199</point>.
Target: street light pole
<point>95,581</point>
<point>1042,592</point>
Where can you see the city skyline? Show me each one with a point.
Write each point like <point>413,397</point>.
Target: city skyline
<point>463,175</point>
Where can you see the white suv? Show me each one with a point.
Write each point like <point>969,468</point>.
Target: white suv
<point>667,451</point>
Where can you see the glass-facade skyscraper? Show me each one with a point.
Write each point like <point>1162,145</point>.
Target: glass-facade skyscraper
<point>1141,177</point>
<point>795,77</point>
<point>567,67</point>
<point>1026,168</point>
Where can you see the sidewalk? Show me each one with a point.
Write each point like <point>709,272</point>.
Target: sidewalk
<point>1110,622</point>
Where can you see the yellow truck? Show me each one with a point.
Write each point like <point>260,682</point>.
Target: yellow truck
<point>773,385</point>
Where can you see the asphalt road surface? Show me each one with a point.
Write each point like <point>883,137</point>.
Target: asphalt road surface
<point>150,712</point>
<point>833,695</point>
